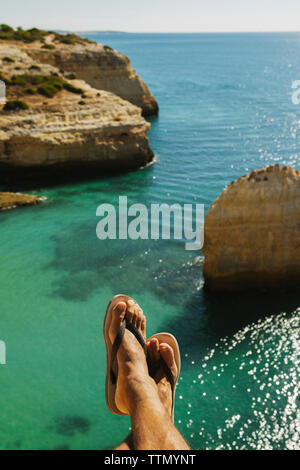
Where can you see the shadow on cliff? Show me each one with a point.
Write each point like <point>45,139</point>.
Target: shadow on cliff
<point>34,179</point>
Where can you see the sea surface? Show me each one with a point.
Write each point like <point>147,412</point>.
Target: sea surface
<point>225,109</point>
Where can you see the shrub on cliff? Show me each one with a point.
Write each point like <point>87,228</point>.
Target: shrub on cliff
<point>70,76</point>
<point>72,88</point>
<point>46,85</point>
<point>3,78</point>
<point>34,67</point>
<point>25,79</point>
<point>4,28</point>
<point>49,90</point>
<point>16,105</point>
<point>48,46</point>
<point>108,48</point>
<point>71,39</point>
<point>30,35</point>
<point>35,34</point>
<point>8,60</point>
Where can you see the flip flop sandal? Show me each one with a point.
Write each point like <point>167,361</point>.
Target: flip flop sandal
<point>112,350</point>
<point>172,342</point>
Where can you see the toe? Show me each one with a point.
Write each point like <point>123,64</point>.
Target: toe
<point>139,313</point>
<point>118,314</point>
<point>154,347</point>
<point>167,354</point>
<point>135,315</point>
<point>130,313</point>
<point>143,326</point>
<point>150,352</point>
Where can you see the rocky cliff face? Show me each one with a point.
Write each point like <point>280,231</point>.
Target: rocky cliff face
<point>67,124</point>
<point>252,232</point>
<point>100,66</point>
<point>10,201</point>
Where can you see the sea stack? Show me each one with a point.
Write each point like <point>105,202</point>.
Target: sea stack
<point>252,232</point>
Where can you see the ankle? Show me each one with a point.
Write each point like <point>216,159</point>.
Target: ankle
<point>140,390</point>
<point>140,386</point>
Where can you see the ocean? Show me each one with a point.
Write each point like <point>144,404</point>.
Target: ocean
<point>225,109</point>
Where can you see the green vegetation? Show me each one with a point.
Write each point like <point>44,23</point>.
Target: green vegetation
<point>66,38</point>
<point>82,102</point>
<point>34,67</point>
<point>46,85</point>
<point>70,76</point>
<point>30,91</point>
<point>72,89</point>
<point>5,28</point>
<point>108,48</point>
<point>48,46</point>
<point>48,89</point>
<point>35,34</point>
<point>8,60</point>
<point>71,38</point>
<point>16,105</point>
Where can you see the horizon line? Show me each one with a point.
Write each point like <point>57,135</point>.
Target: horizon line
<point>179,32</point>
<point>94,30</point>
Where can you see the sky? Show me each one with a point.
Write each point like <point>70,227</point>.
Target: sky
<point>155,15</point>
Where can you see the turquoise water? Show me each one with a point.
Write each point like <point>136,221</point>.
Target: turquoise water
<point>226,109</point>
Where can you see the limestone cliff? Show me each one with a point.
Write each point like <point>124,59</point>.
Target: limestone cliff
<point>56,122</point>
<point>100,66</point>
<point>252,232</point>
<point>13,200</point>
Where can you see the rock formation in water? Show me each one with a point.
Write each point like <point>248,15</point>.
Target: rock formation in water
<point>12,200</point>
<point>252,232</point>
<point>100,66</point>
<point>54,122</point>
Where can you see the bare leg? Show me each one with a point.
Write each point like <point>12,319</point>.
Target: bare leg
<point>137,393</point>
<point>127,444</point>
<point>155,351</point>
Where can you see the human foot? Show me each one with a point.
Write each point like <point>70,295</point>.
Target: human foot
<point>132,373</point>
<point>157,351</point>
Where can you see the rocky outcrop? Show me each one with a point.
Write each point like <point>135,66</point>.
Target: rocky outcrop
<point>252,232</point>
<point>67,124</point>
<point>100,66</point>
<point>13,200</point>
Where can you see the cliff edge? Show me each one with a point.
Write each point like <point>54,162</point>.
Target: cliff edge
<point>100,66</point>
<point>52,122</point>
<point>252,232</point>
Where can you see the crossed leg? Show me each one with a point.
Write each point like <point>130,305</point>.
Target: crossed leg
<point>148,401</point>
